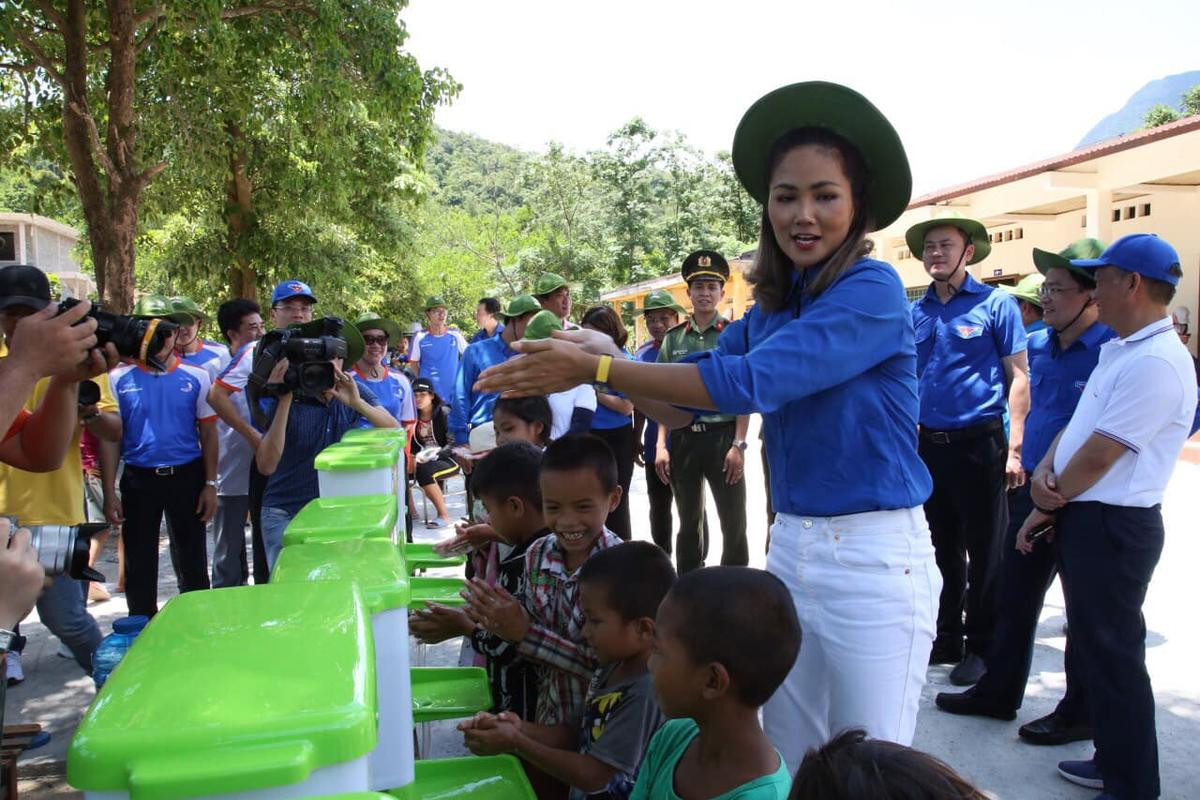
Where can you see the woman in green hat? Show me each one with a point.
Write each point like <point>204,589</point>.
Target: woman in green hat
<point>391,387</point>
<point>827,356</point>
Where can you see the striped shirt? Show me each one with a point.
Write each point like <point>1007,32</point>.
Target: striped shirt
<point>555,637</point>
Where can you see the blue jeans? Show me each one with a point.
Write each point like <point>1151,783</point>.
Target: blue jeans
<point>274,521</point>
<point>62,607</point>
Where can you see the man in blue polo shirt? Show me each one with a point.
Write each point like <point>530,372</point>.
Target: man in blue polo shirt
<point>1061,358</point>
<point>487,317</point>
<point>301,427</point>
<point>212,356</point>
<point>971,367</point>
<point>435,352</point>
<point>471,408</point>
<point>169,444</point>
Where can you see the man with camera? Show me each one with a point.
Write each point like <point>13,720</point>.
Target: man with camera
<point>170,449</point>
<point>292,302</point>
<point>304,422</point>
<point>40,497</point>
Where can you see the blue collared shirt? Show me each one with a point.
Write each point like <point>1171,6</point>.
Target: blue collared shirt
<point>482,334</point>
<point>961,347</point>
<point>470,408</point>
<point>835,380</point>
<point>1056,382</point>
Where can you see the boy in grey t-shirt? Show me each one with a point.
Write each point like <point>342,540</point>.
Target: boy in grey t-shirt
<point>620,590</point>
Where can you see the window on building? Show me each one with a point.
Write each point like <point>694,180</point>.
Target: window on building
<point>8,246</point>
<point>1019,233</point>
<point>915,292</point>
<point>1008,236</point>
<point>1083,221</point>
<point>1130,212</point>
<point>1145,209</point>
<point>1116,215</point>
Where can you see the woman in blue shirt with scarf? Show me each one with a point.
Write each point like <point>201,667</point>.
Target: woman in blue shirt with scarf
<point>827,356</point>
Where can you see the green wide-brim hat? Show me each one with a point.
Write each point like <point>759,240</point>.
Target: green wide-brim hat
<point>1080,248</point>
<point>548,282</point>
<point>368,321</point>
<point>520,305</point>
<point>435,301</point>
<point>836,108</point>
<point>914,237</point>
<point>157,306</point>
<point>187,305</point>
<point>542,325</point>
<point>659,299</point>
<point>1027,288</point>
<point>355,346</point>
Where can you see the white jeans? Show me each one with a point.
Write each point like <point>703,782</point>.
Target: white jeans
<point>866,590</point>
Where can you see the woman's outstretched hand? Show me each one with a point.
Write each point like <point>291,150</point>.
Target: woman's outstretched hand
<point>543,367</point>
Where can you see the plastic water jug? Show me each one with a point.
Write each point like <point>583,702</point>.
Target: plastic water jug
<point>112,648</point>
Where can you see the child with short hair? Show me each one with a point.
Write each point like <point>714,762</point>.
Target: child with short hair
<point>725,639</point>
<point>620,590</point>
<point>526,419</point>
<point>506,482</point>
<point>578,480</point>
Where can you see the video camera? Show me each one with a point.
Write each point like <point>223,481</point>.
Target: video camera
<point>64,549</point>
<point>309,371</point>
<point>140,339</point>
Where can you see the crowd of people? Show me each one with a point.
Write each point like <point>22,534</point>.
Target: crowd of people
<point>932,466</point>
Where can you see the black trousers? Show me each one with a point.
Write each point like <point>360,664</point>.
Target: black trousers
<point>258,483</point>
<point>1107,555</point>
<point>698,457</point>
<point>1022,587</point>
<point>146,496</point>
<point>967,515</point>
<point>621,441</point>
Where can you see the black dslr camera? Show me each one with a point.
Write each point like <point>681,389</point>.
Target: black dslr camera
<point>140,339</point>
<point>309,371</point>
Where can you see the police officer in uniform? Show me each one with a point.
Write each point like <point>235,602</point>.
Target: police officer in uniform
<point>713,447</point>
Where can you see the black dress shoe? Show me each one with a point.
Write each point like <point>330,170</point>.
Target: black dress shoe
<point>946,653</point>
<point>971,704</point>
<point>969,671</point>
<point>1052,729</point>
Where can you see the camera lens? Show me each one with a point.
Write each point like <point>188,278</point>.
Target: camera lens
<point>89,393</point>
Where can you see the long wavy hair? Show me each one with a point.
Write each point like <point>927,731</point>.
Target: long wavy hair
<point>771,275</point>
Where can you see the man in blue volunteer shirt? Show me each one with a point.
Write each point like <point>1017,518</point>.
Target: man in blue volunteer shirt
<point>1027,294</point>
<point>487,317</point>
<point>971,367</point>
<point>169,444</point>
<point>291,304</point>
<point>301,427</point>
<point>1061,358</point>
<point>471,408</point>
<point>1101,487</point>
<point>434,352</point>
<point>191,349</point>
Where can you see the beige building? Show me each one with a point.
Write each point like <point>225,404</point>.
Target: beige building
<point>50,245</point>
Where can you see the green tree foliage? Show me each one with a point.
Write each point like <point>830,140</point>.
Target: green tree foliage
<point>1161,113</point>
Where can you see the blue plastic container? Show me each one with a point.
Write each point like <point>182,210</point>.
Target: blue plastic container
<point>112,648</point>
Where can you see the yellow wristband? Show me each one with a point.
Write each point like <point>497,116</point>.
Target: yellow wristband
<point>602,369</point>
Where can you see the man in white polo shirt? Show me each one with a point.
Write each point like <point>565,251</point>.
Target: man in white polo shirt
<point>1101,486</point>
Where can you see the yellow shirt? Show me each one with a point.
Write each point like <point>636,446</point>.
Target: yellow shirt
<point>50,498</point>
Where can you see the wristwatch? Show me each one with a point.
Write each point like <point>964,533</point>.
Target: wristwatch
<point>213,484</point>
<point>6,637</point>
<point>740,444</point>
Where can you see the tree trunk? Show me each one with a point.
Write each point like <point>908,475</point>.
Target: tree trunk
<point>243,277</point>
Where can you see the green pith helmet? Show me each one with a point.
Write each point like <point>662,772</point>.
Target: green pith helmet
<point>1080,248</point>
<point>548,282</point>
<point>661,298</point>
<point>840,110</point>
<point>434,301</point>
<point>914,237</point>
<point>157,306</point>
<point>355,346</point>
<point>188,306</point>
<point>369,320</point>
<point>542,325</point>
<point>520,305</point>
<point>1027,288</point>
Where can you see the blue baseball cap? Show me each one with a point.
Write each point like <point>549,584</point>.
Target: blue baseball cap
<point>288,289</point>
<point>1143,253</point>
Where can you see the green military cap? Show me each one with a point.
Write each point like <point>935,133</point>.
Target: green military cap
<point>367,321</point>
<point>548,282</point>
<point>1078,249</point>
<point>355,346</point>
<point>542,325</point>
<point>705,264</point>
<point>1027,288</point>
<point>840,110</point>
<point>914,237</point>
<point>661,298</point>
<point>157,306</point>
<point>520,305</point>
<point>434,301</point>
<point>188,306</point>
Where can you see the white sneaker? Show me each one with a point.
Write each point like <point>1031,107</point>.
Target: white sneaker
<point>13,664</point>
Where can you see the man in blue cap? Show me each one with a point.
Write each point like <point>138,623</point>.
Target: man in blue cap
<point>291,304</point>
<point>1101,486</point>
